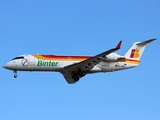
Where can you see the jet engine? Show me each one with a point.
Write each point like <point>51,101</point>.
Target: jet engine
<point>114,57</point>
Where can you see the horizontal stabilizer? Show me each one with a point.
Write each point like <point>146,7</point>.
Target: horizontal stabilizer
<point>146,42</point>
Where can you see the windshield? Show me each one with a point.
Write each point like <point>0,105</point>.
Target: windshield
<point>17,58</point>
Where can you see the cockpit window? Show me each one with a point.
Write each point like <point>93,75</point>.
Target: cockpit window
<point>17,58</point>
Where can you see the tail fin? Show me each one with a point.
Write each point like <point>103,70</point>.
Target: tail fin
<point>136,50</point>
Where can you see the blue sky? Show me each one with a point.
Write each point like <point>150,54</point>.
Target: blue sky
<point>84,27</point>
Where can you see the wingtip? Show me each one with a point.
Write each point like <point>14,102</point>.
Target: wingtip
<point>119,45</point>
<point>154,38</point>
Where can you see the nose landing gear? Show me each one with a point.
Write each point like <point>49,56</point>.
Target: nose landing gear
<point>15,74</point>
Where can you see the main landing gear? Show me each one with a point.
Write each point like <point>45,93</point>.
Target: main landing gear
<point>76,79</point>
<point>80,73</point>
<point>15,74</point>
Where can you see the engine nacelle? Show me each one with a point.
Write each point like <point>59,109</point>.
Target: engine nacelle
<point>114,57</point>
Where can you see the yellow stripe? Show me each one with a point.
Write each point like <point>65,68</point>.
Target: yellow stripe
<point>132,62</point>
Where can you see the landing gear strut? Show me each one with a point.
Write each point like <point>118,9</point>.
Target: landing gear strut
<point>15,74</point>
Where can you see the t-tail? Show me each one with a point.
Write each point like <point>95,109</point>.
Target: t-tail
<point>136,50</point>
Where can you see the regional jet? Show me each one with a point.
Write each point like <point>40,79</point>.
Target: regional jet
<point>75,67</point>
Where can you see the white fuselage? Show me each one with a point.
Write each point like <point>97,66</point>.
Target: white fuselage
<point>75,67</point>
<point>30,63</point>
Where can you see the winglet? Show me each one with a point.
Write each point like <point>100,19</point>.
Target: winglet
<point>119,45</point>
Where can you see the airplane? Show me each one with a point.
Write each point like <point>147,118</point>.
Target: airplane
<point>75,67</point>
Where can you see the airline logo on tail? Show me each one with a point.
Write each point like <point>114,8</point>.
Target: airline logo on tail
<point>135,53</point>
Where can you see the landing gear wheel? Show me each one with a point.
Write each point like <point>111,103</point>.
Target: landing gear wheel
<point>76,79</point>
<point>15,76</point>
<point>81,72</point>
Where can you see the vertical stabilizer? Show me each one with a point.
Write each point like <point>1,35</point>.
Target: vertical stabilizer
<point>136,50</point>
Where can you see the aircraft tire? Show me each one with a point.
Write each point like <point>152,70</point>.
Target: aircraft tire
<point>83,73</point>
<point>76,79</point>
<point>15,76</point>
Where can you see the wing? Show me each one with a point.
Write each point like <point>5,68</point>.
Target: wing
<point>73,72</point>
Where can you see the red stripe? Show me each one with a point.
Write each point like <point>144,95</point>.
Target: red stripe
<point>56,56</point>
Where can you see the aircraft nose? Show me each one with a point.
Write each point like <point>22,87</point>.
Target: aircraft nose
<point>4,66</point>
<point>10,65</point>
